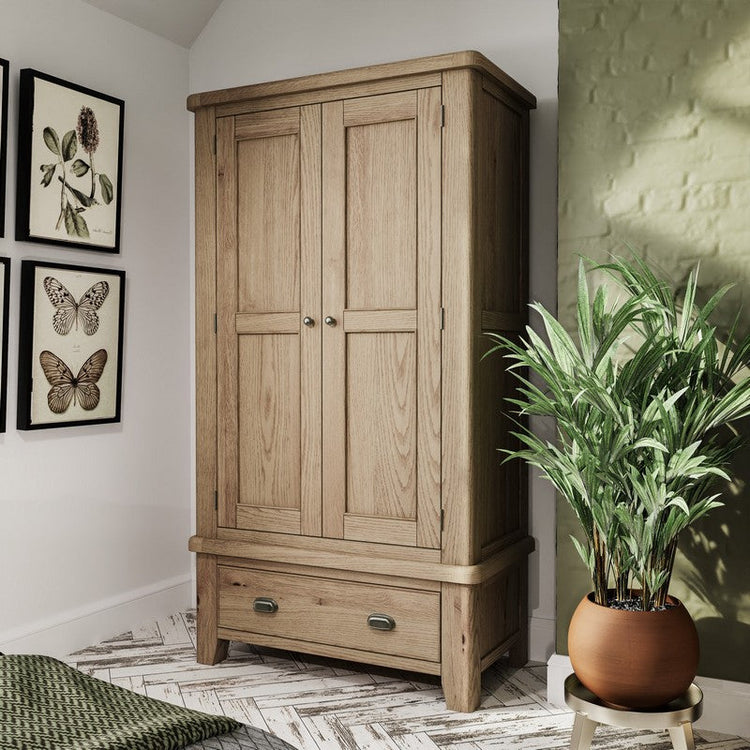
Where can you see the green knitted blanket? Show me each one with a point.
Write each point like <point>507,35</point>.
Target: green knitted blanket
<point>47,705</point>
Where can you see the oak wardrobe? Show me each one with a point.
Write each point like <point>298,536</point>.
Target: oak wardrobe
<point>356,233</point>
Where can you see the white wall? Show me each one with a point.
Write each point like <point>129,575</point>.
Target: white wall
<point>94,521</point>
<point>249,42</point>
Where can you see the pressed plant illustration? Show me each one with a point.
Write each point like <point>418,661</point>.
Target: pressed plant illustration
<point>80,172</point>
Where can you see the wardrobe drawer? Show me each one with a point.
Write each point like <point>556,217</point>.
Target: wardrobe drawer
<point>334,612</point>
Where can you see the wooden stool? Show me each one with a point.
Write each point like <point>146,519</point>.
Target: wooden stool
<point>677,716</point>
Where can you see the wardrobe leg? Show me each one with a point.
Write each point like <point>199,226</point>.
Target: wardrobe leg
<point>461,671</point>
<point>211,649</point>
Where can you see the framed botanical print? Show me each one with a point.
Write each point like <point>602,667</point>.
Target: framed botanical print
<point>4,66</point>
<point>70,349</point>
<point>4,292</point>
<point>69,182</point>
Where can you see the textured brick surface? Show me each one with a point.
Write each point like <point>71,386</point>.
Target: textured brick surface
<point>654,119</point>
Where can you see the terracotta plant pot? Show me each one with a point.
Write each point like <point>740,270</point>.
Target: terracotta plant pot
<point>633,659</point>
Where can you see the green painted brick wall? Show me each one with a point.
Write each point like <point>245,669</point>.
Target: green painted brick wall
<point>654,151</point>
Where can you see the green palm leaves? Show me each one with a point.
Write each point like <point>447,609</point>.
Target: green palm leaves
<point>643,398</point>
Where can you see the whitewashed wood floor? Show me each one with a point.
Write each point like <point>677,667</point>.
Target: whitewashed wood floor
<point>324,704</point>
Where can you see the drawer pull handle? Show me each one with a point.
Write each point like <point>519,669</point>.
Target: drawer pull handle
<point>265,604</point>
<point>381,622</point>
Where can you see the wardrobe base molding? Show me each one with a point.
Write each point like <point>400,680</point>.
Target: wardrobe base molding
<point>461,574</point>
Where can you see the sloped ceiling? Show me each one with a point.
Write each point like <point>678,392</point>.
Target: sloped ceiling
<point>180,21</point>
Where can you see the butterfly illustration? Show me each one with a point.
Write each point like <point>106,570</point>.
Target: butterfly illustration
<point>68,311</point>
<point>81,389</point>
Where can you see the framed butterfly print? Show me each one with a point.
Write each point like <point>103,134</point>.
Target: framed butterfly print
<point>4,291</point>
<point>70,350</point>
<point>3,138</point>
<point>69,164</point>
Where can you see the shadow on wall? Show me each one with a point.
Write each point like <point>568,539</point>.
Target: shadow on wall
<point>667,165</point>
<point>655,151</point>
<point>716,580</point>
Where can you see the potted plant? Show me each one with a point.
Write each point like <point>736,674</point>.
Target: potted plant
<point>644,399</point>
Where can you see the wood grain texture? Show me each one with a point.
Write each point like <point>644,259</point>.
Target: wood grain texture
<point>429,344</point>
<point>320,96</point>
<point>226,309</point>
<point>498,610</point>
<point>498,199</point>
<point>379,321</point>
<point>502,297</point>
<point>275,566</point>
<point>461,654</point>
<point>328,545</point>
<point>308,608</point>
<point>337,652</point>
<point>288,322</point>
<point>379,559</point>
<point>381,399</point>
<point>492,88</point>
<point>519,650</point>
<point>507,322</point>
<point>369,110</point>
<point>381,214</point>
<point>210,648</point>
<point>369,210</point>
<point>311,396</point>
<point>460,544</point>
<point>334,302</point>
<point>385,530</point>
<point>269,421</point>
<point>270,124</point>
<point>497,483</point>
<point>264,518</point>
<point>322,703</point>
<point>435,63</point>
<point>277,402</point>
<point>268,215</point>
<point>205,309</point>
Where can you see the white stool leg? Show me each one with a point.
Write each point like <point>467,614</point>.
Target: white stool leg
<point>682,737</point>
<point>583,731</point>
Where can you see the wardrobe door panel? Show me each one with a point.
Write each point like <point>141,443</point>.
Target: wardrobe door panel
<point>268,197</point>
<point>269,431</point>
<point>381,215</point>
<point>268,282</point>
<point>381,439</point>
<point>381,294</point>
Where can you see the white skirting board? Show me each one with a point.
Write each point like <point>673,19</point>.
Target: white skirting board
<point>75,629</point>
<point>726,704</point>
<point>541,638</point>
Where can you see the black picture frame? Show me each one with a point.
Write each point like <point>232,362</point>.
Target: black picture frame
<point>70,141</point>
<point>4,307</point>
<point>4,77</point>
<point>68,318</point>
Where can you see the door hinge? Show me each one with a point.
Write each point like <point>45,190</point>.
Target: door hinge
<point>442,519</point>
<point>216,499</point>
<point>216,323</point>
<point>442,115</point>
<point>442,318</point>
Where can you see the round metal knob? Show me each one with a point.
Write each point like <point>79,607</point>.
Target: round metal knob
<point>329,321</point>
<point>308,321</point>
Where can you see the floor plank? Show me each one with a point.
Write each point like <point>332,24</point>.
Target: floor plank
<point>316,703</point>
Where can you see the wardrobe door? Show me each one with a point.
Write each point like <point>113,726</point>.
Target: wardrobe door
<point>382,318</point>
<point>268,327</point>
